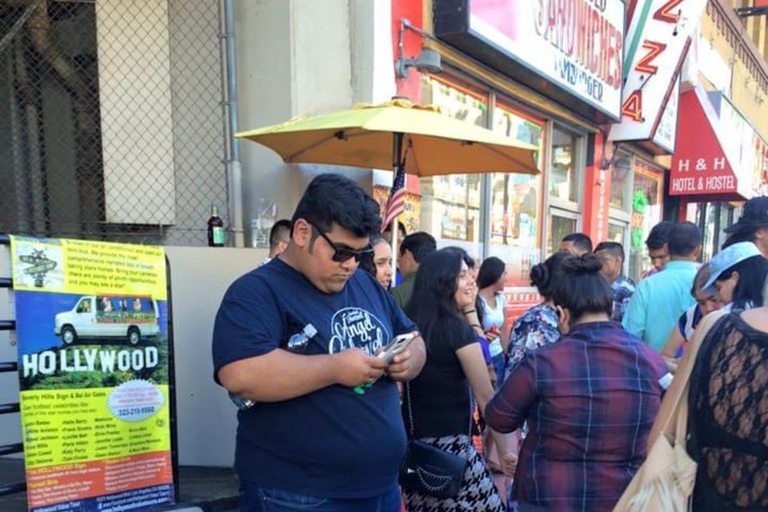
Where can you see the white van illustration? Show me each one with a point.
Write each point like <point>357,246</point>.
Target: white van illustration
<point>102,316</point>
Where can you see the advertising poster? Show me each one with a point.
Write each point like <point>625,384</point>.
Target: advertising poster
<point>92,328</point>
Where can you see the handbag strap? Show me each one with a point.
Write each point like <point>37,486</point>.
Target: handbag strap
<point>678,413</point>
<point>410,410</point>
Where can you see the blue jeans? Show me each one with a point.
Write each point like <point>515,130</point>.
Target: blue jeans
<point>259,499</point>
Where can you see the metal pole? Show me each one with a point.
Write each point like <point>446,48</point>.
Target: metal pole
<point>397,164</point>
<point>235,170</point>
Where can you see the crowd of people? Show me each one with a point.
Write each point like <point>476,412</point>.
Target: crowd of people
<point>562,399</point>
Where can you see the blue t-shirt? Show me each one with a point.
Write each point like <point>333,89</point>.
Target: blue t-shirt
<point>332,442</point>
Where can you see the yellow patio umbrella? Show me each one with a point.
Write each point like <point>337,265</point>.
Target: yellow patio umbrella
<point>418,139</point>
<point>396,133</point>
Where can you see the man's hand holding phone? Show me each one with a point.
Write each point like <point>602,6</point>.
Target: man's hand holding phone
<point>407,356</point>
<point>355,368</point>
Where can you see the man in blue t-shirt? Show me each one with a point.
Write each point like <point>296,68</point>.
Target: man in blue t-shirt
<point>298,337</point>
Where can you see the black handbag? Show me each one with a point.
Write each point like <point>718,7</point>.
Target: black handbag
<point>429,470</point>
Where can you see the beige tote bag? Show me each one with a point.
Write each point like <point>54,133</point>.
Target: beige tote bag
<point>664,483</point>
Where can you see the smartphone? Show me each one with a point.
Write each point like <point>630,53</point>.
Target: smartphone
<point>397,345</point>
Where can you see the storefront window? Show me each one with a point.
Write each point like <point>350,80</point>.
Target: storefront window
<point>450,205</point>
<point>563,176</point>
<point>621,178</point>
<point>616,233</point>
<point>560,226</point>
<point>515,201</point>
<point>726,219</point>
<point>712,219</point>
<point>708,239</point>
<point>646,213</point>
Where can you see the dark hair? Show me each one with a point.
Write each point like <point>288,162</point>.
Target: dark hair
<point>583,289</point>
<point>420,244</point>
<point>470,262</point>
<point>366,262</point>
<point>332,198</point>
<point>700,279</point>
<point>433,304</point>
<point>742,235</point>
<point>580,240</point>
<point>684,238</point>
<point>400,229</point>
<point>659,235</point>
<point>545,275</point>
<point>490,272</point>
<point>279,231</point>
<point>749,290</point>
<point>613,248</point>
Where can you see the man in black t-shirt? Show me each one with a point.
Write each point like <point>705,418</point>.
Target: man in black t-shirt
<point>298,336</point>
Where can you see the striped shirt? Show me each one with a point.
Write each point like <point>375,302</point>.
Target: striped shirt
<point>590,401</point>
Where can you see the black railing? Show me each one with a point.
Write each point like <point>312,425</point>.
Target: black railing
<point>11,408</point>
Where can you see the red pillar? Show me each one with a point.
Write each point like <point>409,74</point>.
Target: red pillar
<point>597,192</point>
<point>413,11</point>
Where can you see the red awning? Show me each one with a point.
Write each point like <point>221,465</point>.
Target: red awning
<point>700,165</point>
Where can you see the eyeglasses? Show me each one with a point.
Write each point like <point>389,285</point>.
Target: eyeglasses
<point>342,254</point>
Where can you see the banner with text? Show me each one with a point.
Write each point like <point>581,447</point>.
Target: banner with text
<point>658,38</point>
<point>577,45</point>
<point>92,327</point>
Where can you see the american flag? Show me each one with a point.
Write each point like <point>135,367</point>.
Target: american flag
<point>396,201</point>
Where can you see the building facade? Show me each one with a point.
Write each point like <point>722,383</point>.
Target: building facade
<point>116,123</point>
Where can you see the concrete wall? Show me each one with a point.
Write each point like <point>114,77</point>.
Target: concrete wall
<point>206,417</point>
<point>198,129</point>
<point>135,77</point>
<point>299,58</point>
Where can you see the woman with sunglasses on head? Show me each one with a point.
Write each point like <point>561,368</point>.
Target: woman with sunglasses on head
<point>589,400</point>
<point>436,405</point>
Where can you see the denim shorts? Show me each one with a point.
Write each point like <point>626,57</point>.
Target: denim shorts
<point>254,498</point>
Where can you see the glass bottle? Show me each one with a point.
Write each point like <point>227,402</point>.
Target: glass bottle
<point>215,229</point>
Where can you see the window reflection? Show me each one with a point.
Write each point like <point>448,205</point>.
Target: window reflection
<point>646,213</point>
<point>563,178</point>
<point>515,200</point>
<point>450,205</point>
<point>621,172</point>
<point>559,228</point>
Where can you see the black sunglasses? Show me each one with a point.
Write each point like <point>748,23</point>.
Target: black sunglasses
<point>342,254</point>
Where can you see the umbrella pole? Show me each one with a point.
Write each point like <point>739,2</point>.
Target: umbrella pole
<point>397,164</point>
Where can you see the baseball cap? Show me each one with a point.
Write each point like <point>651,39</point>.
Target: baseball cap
<point>755,215</point>
<point>727,258</point>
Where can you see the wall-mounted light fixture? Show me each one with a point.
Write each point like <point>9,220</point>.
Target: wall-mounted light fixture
<point>427,61</point>
<point>744,12</point>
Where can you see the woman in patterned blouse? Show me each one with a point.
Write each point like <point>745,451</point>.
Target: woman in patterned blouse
<point>539,325</point>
